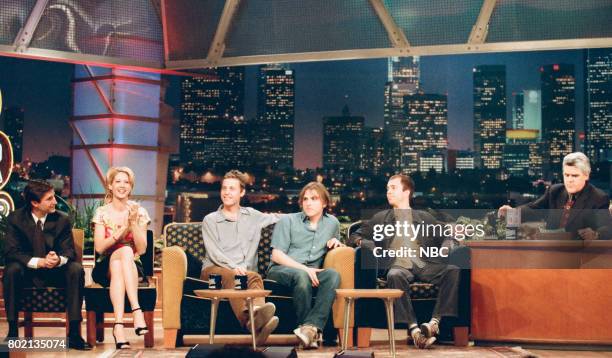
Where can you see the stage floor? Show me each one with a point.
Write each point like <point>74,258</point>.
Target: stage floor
<point>379,346</point>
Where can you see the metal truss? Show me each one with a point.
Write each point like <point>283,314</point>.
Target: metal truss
<point>476,43</point>
<point>24,36</point>
<point>481,27</point>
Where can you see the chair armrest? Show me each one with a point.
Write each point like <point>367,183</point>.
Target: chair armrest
<point>366,268</point>
<point>342,259</point>
<point>174,271</point>
<point>191,284</point>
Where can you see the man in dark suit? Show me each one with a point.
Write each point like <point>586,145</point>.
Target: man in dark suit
<point>576,205</point>
<point>376,235</point>
<point>39,252</point>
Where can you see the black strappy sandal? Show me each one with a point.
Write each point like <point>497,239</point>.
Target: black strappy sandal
<point>140,331</point>
<point>120,345</point>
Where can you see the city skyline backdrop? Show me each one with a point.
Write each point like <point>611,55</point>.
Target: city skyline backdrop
<point>322,89</point>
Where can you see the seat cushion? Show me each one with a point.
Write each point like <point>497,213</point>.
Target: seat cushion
<point>46,299</point>
<point>418,290</point>
<point>97,298</point>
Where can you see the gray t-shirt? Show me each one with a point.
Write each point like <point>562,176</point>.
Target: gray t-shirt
<point>401,241</point>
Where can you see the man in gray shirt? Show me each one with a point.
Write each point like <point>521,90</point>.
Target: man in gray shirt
<point>231,237</point>
<point>299,242</point>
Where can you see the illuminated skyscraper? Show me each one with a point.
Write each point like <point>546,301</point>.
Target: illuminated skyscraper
<point>432,159</point>
<point>342,136</point>
<point>532,105</point>
<point>225,143</point>
<point>465,160</point>
<point>274,142</point>
<point>518,110</point>
<point>558,115</point>
<point>489,115</point>
<point>522,155</point>
<point>598,102</point>
<point>403,80</point>
<point>427,118</point>
<point>373,153</point>
<point>217,94</point>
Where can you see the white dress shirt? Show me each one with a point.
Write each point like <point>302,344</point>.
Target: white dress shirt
<point>33,263</point>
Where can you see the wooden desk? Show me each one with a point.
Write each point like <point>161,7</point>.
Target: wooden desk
<point>542,291</point>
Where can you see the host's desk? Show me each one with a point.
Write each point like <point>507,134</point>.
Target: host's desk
<point>542,291</point>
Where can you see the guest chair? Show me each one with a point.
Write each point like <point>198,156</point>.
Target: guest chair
<point>98,302</point>
<point>48,299</point>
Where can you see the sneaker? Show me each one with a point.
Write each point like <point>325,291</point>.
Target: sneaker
<point>307,335</point>
<point>265,331</point>
<point>262,315</point>
<point>420,341</point>
<point>317,341</point>
<point>430,329</point>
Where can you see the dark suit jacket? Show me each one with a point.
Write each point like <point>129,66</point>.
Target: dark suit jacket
<point>387,217</point>
<point>20,233</point>
<point>590,210</point>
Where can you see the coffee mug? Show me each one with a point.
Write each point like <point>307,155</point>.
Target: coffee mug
<point>214,282</point>
<point>240,282</point>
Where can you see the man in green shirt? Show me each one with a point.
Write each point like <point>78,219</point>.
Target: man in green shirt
<point>299,243</point>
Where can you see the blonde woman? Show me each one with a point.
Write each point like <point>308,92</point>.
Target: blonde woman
<point>120,236</point>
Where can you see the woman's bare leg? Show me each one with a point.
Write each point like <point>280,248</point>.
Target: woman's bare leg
<point>117,293</point>
<point>130,276</point>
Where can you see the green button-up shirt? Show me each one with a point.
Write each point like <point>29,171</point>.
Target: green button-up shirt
<point>293,236</point>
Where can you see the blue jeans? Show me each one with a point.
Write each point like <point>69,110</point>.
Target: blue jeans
<point>299,281</point>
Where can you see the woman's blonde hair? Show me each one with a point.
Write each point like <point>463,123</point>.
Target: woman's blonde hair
<point>110,176</point>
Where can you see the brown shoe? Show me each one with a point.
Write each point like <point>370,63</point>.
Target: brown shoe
<point>430,329</point>
<point>420,341</point>
<point>265,331</point>
<point>262,315</point>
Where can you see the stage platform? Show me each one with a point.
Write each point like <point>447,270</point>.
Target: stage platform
<point>379,346</point>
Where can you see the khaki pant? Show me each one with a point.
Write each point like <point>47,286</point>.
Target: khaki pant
<point>239,305</point>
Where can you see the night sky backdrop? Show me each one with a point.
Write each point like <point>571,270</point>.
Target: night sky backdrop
<point>322,88</point>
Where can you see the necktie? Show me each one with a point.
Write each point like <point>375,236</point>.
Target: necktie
<point>566,211</point>
<point>39,240</point>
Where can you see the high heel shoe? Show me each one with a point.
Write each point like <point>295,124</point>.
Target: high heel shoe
<point>140,331</point>
<point>120,345</point>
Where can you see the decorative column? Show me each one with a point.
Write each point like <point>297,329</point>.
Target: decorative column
<point>116,122</point>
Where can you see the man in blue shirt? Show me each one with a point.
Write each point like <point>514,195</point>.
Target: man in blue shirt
<point>299,243</point>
